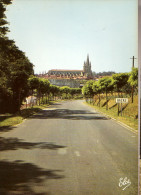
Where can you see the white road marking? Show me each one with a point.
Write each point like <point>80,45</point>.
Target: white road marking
<point>77,153</point>
<point>62,151</point>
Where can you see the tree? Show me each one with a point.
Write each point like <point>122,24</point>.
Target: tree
<point>41,90</point>
<point>95,89</point>
<point>133,78</point>
<point>54,90</point>
<point>47,89</point>
<point>108,73</point>
<point>3,22</point>
<point>105,85</point>
<point>133,81</point>
<point>18,81</point>
<point>5,92</point>
<point>33,83</point>
<point>75,91</point>
<point>119,81</point>
<point>87,90</point>
<point>15,68</point>
<point>66,90</point>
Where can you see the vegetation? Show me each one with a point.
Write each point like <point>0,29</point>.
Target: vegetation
<point>45,92</point>
<point>129,111</point>
<point>121,83</point>
<point>8,120</point>
<point>17,81</point>
<point>133,81</point>
<point>102,94</point>
<point>15,68</point>
<point>108,73</point>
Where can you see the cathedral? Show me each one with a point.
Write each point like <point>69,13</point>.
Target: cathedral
<point>86,73</point>
<point>71,78</point>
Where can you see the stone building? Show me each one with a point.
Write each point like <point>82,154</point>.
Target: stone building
<point>86,73</point>
<point>71,78</point>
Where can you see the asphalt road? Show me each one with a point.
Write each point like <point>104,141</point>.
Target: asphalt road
<point>68,149</point>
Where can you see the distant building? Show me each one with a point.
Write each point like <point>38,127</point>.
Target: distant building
<point>87,68</point>
<point>86,73</point>
<point>61,77</point>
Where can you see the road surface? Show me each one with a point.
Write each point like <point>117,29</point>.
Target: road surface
<point>68,149</point>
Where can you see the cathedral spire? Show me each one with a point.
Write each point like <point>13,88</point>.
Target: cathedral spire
<point>87,68</point>
<point>88,58</point>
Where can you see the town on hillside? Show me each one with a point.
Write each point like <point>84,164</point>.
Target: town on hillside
<point>73,78</point>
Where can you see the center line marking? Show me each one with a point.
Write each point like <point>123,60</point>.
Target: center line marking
<point>77,153</point>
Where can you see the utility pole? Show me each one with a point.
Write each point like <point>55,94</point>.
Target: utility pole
<point>133,58</point>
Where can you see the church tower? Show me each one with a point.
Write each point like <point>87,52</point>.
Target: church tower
<point>87,68</point>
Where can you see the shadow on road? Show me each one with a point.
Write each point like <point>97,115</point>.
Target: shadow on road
<point>56,104</point>
<point>19,177</point>
<point>6,128</point>
<point>68,114</point>
<point>15,143</point>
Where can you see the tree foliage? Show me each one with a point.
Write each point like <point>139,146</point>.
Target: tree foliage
<point>120,83</point>
<point>120,80</point>
<point>15,68</point>
<point>133,78</point>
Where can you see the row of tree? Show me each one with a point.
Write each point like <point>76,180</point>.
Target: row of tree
<point>122,83</point>
<point>43,90</point>
<point>15,68</point>
<point>104,73</point>
<point>16,73</point>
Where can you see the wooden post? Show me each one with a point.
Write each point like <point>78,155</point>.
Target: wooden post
<point>118,109</point>
<point>121,109</point>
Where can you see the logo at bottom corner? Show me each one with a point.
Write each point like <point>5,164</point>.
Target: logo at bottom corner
<point>124,183</point>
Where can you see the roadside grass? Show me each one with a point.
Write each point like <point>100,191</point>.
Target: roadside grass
<point>129,111</point>
<point>7,120</point>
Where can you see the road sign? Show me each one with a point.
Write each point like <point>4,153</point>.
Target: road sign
<point>121,100</point>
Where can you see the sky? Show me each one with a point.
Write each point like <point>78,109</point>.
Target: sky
<point>58,34</point>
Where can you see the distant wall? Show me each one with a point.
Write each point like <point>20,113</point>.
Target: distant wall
<point>65,82</point>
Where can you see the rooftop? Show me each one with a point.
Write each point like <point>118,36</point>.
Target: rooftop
<point>63,70</point>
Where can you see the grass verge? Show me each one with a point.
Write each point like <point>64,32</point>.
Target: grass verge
<point>7,120</point>
<point>129,115</point>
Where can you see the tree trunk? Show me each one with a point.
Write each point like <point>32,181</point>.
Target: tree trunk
<point>93,100</point>
<point>39,99</point>
<point>19,106</point>
<point>106,101</point>
<point>118,109</point>
<point>32,99</point>
<point>42,99</point>
<point>46,98</point>
<point>132,94</point>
